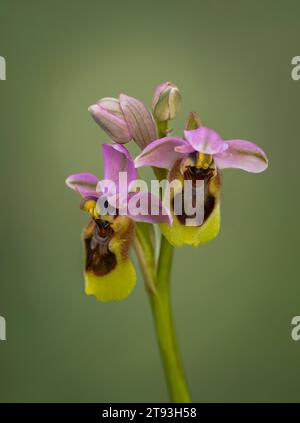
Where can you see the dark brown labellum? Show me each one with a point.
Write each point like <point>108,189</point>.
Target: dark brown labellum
<point>99,259</point>
<point>209,176</point>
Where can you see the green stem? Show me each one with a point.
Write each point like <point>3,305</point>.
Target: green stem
<point>160,301</point>
<point>147,269</point>
<point>165,332</point>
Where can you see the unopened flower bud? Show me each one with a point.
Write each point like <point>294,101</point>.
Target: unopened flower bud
<point>139,120</point>
<point>109,116</point>
<point>166,101</point>
<point>193,122</point>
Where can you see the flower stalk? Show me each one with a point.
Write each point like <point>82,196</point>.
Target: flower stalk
<point>157,283</point>
<point>164,327</point>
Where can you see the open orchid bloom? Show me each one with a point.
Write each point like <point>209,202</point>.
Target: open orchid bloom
<point>113,208</point>
<point>200,155</point>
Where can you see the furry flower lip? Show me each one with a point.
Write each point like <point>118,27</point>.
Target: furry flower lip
<point>109,273</point>
<point>200,155</point>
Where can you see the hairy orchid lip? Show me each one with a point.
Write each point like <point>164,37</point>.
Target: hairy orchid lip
<point>194,174</point>
<point>105,230</point>
<point>99,259</point>
<point>197,173</point>
<point>109,273</point>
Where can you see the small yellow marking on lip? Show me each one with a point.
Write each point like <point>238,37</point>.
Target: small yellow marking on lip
<point>203,160</point>
<point>90,207</point>
<point>93,212</point>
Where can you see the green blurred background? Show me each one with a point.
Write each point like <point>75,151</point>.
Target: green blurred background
<point>233,298</point>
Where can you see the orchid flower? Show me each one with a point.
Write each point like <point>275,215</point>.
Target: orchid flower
<point>109,273</point>
<point>200,155</point>
<point>121,216</point>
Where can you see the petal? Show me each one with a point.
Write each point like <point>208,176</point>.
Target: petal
<point>109,273</point>
<point>112,122</point>
<point>205,140</point>
<point>185,149</point>
<point>193,121</point>
<point>117,159</point>
<point>166,101</point>
<point>84,183</point>
<point>139,120</point>
<point>157,92</point>
<point>242,155</point>
<point>146,207</point>
<point>161,153</point>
